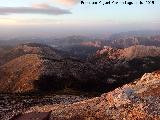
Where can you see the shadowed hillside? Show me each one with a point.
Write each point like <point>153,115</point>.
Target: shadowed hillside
<point>32,67</point>
<point>138,100</point>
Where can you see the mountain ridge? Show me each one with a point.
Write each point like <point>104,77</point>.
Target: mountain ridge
<point>41,67</point>
<point>136,51</point>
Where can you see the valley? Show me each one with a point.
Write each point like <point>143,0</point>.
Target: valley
<point>39,77</point>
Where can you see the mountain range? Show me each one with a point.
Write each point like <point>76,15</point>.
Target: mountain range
<point>121,75</point>
<point>127,41</point>
<point>31,67</point>
<point>35,67</point>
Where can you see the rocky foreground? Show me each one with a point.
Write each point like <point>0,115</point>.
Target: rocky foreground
<point>14,104</point>
<point>135,101</point>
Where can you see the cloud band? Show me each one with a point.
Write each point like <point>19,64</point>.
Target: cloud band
<point>33,10</point>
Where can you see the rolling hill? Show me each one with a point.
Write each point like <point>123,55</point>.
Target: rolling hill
<point>31,67</point>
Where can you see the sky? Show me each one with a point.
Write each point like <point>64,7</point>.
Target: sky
<point>70,17</point>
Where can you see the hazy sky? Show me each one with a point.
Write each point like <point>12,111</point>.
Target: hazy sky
<point>59,17</point>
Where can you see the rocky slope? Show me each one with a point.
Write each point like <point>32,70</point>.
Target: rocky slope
<point>31,67</point>
<point>22,65</point>
<point>128,64</point>
<point>18,74</point>
<point>134,101</point>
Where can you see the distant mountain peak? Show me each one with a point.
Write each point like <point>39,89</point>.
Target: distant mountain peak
<point>136,51</point>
